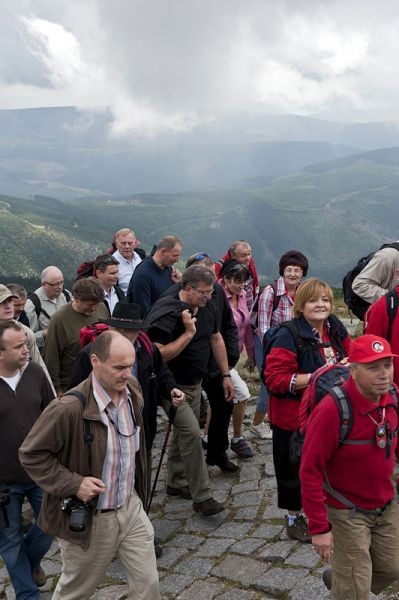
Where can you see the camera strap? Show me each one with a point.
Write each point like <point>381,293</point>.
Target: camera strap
<point>88,436</point>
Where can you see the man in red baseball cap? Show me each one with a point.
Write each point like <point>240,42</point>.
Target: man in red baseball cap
<point>346,482</point>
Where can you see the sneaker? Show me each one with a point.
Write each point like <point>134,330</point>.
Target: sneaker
<point>184,491</point>
<point>208,507</point>
<point>262,430</point>
<point>39,577</point>
<point>241,448</point>
<point>298,530</point>
<point>326,575</point>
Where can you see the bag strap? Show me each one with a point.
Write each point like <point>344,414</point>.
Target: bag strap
<point>296,336</point>
<point>276,298</point>
<point>392,301</point>
<point>34,298</point>
<point>88,436</point>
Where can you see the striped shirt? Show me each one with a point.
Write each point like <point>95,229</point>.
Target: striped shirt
<point>284,311</point>
<point>119,463</point>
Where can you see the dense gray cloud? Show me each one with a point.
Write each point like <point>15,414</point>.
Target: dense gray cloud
<point>167,65</point>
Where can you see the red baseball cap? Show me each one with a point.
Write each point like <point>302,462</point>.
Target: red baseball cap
<point>368,348</point>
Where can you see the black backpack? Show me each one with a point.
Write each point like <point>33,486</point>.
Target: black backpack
<point>34,298</point>
<point>357,305</point>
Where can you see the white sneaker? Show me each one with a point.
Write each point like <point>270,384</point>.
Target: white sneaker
<point>262,430</point>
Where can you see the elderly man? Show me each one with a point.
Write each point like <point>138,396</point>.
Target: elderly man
<point>63,335</point>
<point>241,251</point>
<point>89,448</point>
<point>127,258</point>
<point>45,301</point>
<point>185,329</point>
<point>346,479</point>
<point>25,392</point>
<point>155,274</point>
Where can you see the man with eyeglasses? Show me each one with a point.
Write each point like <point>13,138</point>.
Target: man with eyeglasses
<point>103,469</point>
<point>45,301</point>
<point>185,329</point>
<point>125,254</point>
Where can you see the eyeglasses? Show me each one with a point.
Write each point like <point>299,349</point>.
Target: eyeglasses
<point>205,293</point>
<point>293,271</point>
<point>56,284</point>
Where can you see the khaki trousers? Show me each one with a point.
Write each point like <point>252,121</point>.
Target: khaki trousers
<point>366,552</point>
<point>186,463</point>
<point>127,533</point>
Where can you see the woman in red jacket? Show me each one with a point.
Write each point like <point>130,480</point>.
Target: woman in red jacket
<point>321,339</point>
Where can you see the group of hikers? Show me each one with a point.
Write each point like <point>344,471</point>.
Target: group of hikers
<point>83,372</point>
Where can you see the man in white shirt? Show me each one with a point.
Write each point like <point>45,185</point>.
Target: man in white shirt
<point>127,258</point>
<point>106,270</point>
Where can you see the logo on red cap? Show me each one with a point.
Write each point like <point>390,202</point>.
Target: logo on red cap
<point>377,347</point>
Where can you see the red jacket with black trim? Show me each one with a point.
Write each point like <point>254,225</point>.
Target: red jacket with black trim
<point>283,361</point>
<point>377,322</point>
<point>361,473</point>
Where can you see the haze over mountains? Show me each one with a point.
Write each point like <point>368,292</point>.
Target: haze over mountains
<point>329,189</point>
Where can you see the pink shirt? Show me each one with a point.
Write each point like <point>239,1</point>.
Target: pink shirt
<point>242,320</point>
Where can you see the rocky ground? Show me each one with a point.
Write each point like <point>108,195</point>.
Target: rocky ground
<point>242,553</point>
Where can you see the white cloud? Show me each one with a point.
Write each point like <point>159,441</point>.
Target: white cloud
<point>165,65</point>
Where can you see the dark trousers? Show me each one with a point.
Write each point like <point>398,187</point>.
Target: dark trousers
<point>287,476</point>
<point>218,439</point>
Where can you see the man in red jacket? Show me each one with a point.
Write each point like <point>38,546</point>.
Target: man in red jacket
<point>382,318</point>
<point>347,490</point>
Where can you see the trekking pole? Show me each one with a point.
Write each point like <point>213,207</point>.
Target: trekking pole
<point>172,414</point>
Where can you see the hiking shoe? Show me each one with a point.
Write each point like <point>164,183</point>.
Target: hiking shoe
<point>157,547</point>
<point>241,448</point>
<point>39,577</point>
<point>298,530</point>
<point>326,575</point>
<point>184,492</point>
<point>262,430</point>
<point>224,464</point>
<point>208,507</point>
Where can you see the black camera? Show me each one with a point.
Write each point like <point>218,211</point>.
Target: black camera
<point>4,502</point>
<point>78,512</point>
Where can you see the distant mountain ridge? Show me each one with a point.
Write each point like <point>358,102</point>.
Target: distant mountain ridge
<point>334,213</point>
<point>69,153</point>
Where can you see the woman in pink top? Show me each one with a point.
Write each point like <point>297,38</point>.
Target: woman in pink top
<point>234,276</point>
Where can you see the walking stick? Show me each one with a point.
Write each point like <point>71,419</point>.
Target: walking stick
<point>172,414</point>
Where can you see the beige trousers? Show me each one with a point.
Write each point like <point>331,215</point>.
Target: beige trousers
<point>366,552</point>
<point>127,533</point>
<point>186,463</point>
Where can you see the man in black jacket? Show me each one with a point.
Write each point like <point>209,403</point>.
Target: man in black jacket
<point>218,440</point>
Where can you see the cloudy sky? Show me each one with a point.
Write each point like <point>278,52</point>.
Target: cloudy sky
<point>168,65</point>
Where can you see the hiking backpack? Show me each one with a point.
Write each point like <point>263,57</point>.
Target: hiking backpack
<point>324,381</point>
<point>357,305</point>
<point>34,298</point>
<point>90,332</point>
<point>86,269</point>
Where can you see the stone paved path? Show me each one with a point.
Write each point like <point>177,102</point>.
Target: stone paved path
<point>242,553</point>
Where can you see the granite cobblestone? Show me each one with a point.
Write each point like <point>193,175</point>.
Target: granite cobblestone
<point>242,553</point>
